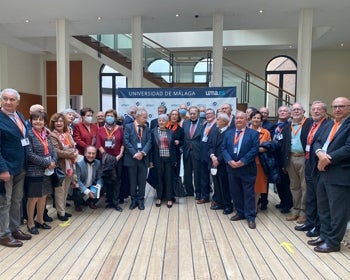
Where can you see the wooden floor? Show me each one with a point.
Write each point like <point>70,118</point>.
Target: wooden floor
<point>188,241</point>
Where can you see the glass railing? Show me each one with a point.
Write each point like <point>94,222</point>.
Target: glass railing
<point>253,90</point>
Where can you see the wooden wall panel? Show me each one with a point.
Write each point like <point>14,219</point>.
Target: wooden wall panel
<point>75,77</point>
<point>27,100</point>
<point>51,104</point>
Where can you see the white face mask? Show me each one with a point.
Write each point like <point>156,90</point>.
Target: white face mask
<point>88,119</point>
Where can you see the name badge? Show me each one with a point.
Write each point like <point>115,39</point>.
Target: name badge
<point>205,139</point>
<point>279,137</point>
<point>25,142</point>
<point>139,146</point>
<point>307,148</point>
<point>108,144</point>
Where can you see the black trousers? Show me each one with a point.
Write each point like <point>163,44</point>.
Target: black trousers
<point>312,218</point>
<point>333,210</point>
<point>191,174</point>
<point>164,178</point>
<point>221,187</point>
<point>284,193</point>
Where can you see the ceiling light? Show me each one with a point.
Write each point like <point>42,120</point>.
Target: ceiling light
<point>290,46</point>
<point>177,15</point>
<point>27,21</point>
<point>260,12</point>
<point>99,18</point>
<point>342,44</point>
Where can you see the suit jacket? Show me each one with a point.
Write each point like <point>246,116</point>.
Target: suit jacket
<point>203,148</point>
<point>12,153</point>
<point>248,151</point>
<point>130,144</point>
<point>269,126</point>
<point>82,174</point>
<point>128,119</point>
<point>194,142</point>
<point>154,155</point>
<point>286,141</point>
<point>37,160</point>
<point>338,172</point>
<point>83,137</point>
<point>214,145</point>
<point>154,123</point>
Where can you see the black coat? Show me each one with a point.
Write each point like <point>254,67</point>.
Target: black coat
<point>269,161</point>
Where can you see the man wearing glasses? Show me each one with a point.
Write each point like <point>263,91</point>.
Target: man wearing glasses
<point>333,191</point>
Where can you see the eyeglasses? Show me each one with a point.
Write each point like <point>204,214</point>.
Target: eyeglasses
<point>341,107</point>
<point>296,109</point>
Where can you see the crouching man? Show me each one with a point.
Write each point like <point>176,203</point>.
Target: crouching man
<point>88,175</point>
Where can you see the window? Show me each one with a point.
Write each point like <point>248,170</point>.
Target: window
<point>162,68</point>
<point>110,81</point>
<point>281,71</point>
<point>202,71</point>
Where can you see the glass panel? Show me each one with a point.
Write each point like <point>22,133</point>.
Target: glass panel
<point>289,82</point>
<point>107,93</point>
<point>281,63</point>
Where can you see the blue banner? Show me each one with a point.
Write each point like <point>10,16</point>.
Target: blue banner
<point>172,98</point>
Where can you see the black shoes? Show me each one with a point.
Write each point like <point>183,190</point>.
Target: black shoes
<point>62,218</point>
<point>68,215</point>
<point>33,230</point>
<point>227,211</point>
<point>133,204</point>
<point>141,205</point>
<point>316,242</point>
<point>43,225</point>
<point>314,232</point>
<point>118,208</point>
<point>47,218</point>
<point>303,227</point>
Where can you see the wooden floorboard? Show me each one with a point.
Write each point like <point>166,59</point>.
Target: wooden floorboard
<point>188,241</point>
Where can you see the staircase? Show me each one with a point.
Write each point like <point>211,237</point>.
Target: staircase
<point>125,61</point>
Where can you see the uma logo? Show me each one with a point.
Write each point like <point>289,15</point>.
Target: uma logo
<point>221,92</point>
<point>137,103</point>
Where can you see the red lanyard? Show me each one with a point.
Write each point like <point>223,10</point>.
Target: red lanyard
<point>42,138</point>
<point>110,135</point>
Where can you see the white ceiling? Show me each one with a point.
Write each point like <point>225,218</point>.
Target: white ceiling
<point>280,17</point>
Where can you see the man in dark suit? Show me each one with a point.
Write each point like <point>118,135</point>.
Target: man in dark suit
<point>204,169</point>
<point>137,142</point>
<point>161,110</point>
<point>13,142</point>
<point>88,174</point>
<point>240,147</point>
<point>283,188</point>
<point>192,129</point>
<point>333,190</point>
<point>312,223</point>
<point>220,180</point>
<point>130,116</point>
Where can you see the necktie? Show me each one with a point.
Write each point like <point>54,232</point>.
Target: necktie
<point>18,122</point>
<point>334,130</point>
<point>309,138</point>
<point>236,141</point>
<point>192,130</point>
<point>139,131</point>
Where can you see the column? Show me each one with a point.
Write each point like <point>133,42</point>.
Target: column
<point>62,58</point>
<point>304,58</point>
<point>3,67</point>
<point>218,23</point>
<point>137,65</point>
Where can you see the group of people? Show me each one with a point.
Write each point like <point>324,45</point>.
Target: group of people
<point>307,159</point>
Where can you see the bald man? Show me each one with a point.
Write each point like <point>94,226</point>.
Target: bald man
<point>333,189</point>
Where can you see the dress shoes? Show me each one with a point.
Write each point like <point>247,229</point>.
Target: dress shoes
<point>92,205</point>
<point>227,211</point>
<point>325,248</point>
<point>316,242</point>
<point>9,241</point>
<point>32,230</point>
<point>158,203</point>
<point>78,208</point>
<point>216,207</point>
<point>42,226</point>
<point>20,235</point>
<point>202,201</point>
<point>133,205</point>
<point>279,206</point>
<point>314,232</point>
<point>118,208</point>
<point>47,218</point>
<point>68,215</point>
<point>263,207</point>
<point>236,218</point>
<point>292,218</point>
<point>169,204</point>
<point>141,206</point>
<point>251,224</point>
<point>62,218</point>
<point>303,227</point>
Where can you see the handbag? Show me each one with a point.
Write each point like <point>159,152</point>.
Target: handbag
<point>179,188</point>
<point>57,177</point>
